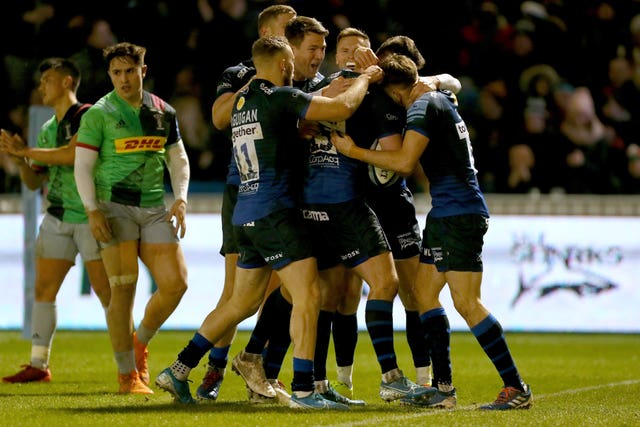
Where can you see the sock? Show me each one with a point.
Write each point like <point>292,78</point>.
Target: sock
<point>490,335</point>
<point>218,357</point>
<point>302,376</point>
<point>322,345</point>
<point>280,338</point>
<point>321,386</point>
<point>44,319</point>
<point>145,334</point>
<point>264,324</point>
<point>190,356</point>
<point>345,338</point>
<point>379,319</point>
<point>126,362</point>
<point>180,370</point>
<point>436,326</point>
<point>345,375</point>
<point>423,375</point>
<point>416,338</point>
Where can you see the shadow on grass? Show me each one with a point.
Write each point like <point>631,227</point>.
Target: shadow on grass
<point>227,407</point>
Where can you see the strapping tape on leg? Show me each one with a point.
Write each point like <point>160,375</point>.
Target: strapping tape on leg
<point>128,279</point>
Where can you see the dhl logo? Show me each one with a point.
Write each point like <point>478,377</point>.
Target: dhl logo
<point>141,143</point>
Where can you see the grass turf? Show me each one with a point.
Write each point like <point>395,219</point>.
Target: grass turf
<point>577,380</point>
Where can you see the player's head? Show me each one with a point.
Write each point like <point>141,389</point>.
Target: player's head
<point>400,74</point>
<point>350,39</point>
<point>307,39</point>
<point>402,45</point>
<point>64,67</point>
<point>59,80</point>
<point>273,57</point>
<point>126,69</point>
<point>273,19</point>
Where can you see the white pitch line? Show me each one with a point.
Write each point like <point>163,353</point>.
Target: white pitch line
<point>429,412</point>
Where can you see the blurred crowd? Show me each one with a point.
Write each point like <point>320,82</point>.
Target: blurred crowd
<point>551,88</point>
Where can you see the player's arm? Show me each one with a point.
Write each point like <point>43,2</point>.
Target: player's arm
<point>441,82</point>
<point>59,156</point>
<point>85,161</point>
<point>345,104</point>
<point>178,165</point>
<point>222,108</point>
<point>403,161</point>
<point>391,143</point>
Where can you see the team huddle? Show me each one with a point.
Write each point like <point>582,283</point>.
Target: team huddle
<point>316,202</point>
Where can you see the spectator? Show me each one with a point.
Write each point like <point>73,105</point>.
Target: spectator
<point>585,144</point>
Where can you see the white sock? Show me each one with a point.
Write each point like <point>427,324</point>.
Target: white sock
<point>126,361</point>
<point>423,375</point>
<point>180,370</point>
<point>44,319</point>
<point>345,374</point>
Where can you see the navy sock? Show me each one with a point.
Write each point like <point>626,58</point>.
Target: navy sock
<point>218,357</point>
<point>417,340</point>
<point>436,327</point>
<point>302,375</point>
<point>490,335</point>
<point>279,339</point>
<point>345,337</point>
<point>194,351</point>
<point>322,345</point>
<point>379,318</point>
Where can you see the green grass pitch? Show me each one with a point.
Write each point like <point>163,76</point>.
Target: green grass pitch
<point>577,380</point>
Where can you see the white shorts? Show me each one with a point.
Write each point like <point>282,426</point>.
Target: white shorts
<point>135,223</point>
<point>64,240</point>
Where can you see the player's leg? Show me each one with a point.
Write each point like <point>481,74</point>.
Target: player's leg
<point>416,338</point>
<point>345,333</point>
<point>219,354</point>
<point>121,264</point>
<point>245,300</point>
<point>55,255</point>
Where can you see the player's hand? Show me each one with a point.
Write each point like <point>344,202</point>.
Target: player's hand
<point>375,73</point>
<point>337,86</point>
<point>12,144</point>
<point>342,142</point>
<point>179,212</point>
<point>308,129</point>
<point>364,58</point>
<point>99,226</point>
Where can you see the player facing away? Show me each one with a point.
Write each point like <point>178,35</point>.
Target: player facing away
<point>437,137</point>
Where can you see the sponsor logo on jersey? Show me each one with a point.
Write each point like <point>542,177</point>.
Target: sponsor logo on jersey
<point>251,130</point>
<point>248,188</point>
<point>140,143</point>
<point>463,132</point>
<point>315,215</point>
<point>240,104</point>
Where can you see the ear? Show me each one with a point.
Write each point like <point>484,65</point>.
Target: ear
<point>67,82</point>
<point>144,70</point>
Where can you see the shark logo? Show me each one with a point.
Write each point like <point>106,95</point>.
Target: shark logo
<point>546,270</point>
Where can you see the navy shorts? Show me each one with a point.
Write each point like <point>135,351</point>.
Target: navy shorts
<point>454,243</point>
<point>347,233</point>
<point>277,239</point>
<point>397,215</point>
